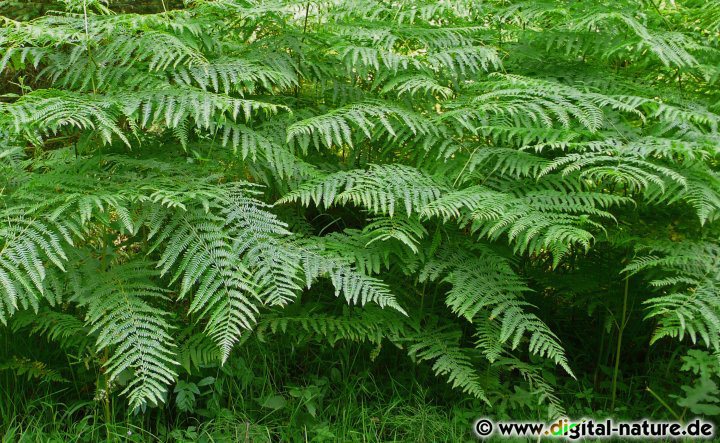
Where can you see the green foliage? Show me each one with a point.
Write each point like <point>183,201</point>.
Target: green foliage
<point>469,180</point>
<point>701,396</point>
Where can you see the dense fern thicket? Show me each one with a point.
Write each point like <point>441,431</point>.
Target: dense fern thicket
<point>522,197</point>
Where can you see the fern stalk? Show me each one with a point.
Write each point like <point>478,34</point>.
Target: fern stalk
<point>618,348</point>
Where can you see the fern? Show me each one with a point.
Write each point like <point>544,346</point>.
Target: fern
<point>485,283</point>
<point>335,127</point>
<point>120,310</point>
<point>188,178</point>
<point>689,284</point>
<point>380,189</point>
<point>26,245</point>
<point>198,247</point>
<point>448,360</point>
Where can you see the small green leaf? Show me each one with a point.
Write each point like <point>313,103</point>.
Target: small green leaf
<point>274,402</point>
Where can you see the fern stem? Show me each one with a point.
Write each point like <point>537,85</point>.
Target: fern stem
<point>599,360</point>
<point>87,46</point>
<point>662,17</point>
<point>667,406</point>
<point>621,328</point>
<point>299,58</point>
<point>106,398</point>
<point>464,167</point>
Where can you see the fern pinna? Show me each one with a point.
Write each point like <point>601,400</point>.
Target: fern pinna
<point>215,166</point>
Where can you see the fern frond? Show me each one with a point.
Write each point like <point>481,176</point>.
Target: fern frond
<point>448,360</point>
<point>49,111</point>
<point>196,248</point>
<point>381,189</point>
<point>689,281</point>
<point>339,126</point>
<point>122,311</point>
<point>414,84</point>
<point>485,283</point>
<point>234,75</point>
<point>27,246</point>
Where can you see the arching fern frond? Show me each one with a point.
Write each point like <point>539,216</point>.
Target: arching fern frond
<point>338,127</point>
<point>449,360</point>
<point>687,275</point>
<point>202,257</point>
<point>27,247</point>
<point>123,310</point>
<point>381,189</point>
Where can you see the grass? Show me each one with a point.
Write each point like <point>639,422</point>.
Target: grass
<point>395,419</point>
<point>256,396</point>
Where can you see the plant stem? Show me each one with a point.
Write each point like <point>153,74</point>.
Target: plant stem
<point>106,400</point>
<point>302,40</point>
<point>662,402</point>
<point>621,328</point>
